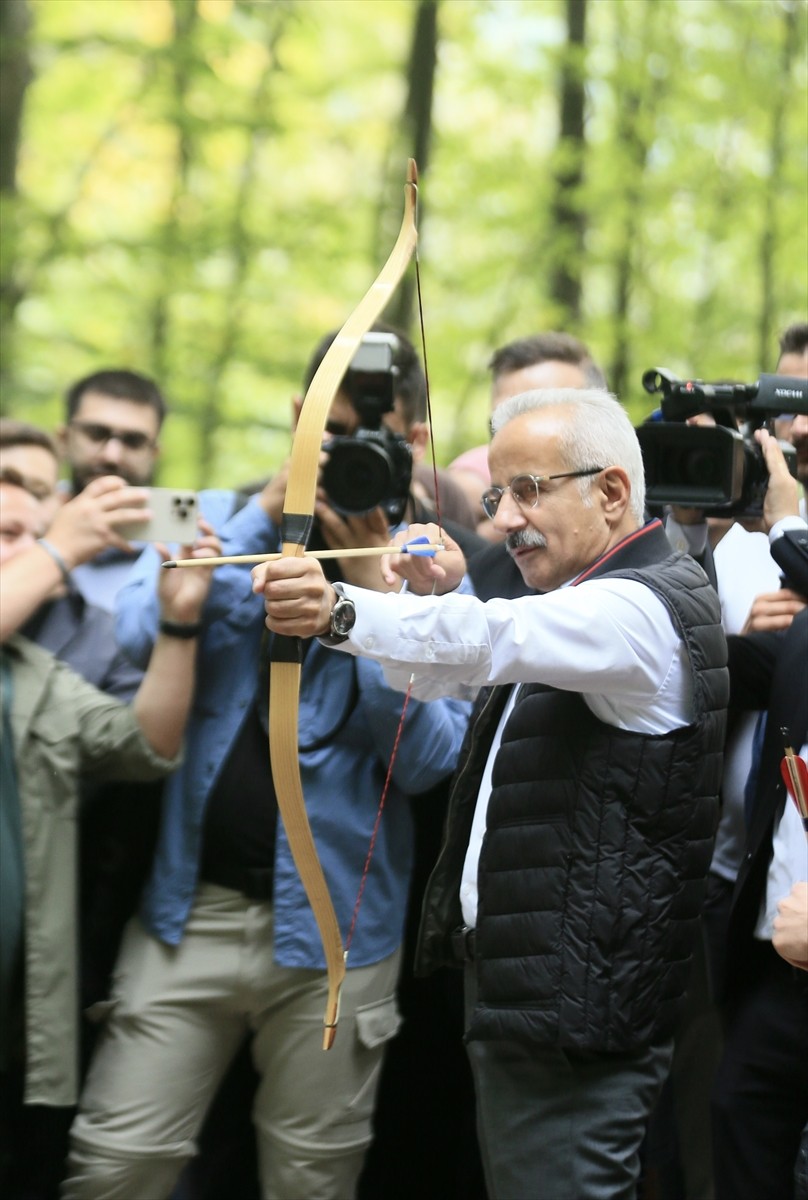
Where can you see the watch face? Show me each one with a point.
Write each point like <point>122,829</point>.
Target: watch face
<point>343,617</point>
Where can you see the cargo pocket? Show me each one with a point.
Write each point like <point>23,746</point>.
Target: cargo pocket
<point>378,1022</point>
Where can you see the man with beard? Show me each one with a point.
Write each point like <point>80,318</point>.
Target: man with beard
<point>581,820</point>
<point>113,423</point>
<point>760,1098</point>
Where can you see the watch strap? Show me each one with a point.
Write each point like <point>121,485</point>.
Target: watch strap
<point>333,637</point>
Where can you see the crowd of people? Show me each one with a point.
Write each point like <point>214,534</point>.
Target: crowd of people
<point>579,970</point>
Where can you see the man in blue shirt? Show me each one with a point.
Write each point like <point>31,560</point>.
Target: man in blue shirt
<point>226,942</point>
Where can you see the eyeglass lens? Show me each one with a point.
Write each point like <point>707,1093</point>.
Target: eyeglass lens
<point>523,488</point>
<point>101,434</point>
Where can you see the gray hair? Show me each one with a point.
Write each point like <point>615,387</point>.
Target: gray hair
<point>599,433</point>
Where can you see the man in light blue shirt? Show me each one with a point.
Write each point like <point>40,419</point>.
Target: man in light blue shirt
<point>226,943</point>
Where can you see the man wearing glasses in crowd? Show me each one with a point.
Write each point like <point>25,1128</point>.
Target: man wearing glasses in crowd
<point>113,425</point>
<point>113,421</point>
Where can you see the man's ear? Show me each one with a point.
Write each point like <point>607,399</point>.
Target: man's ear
<point>615,491</point>
<point>297,407</point>
<point>418,437</point>
<point>60,437</point>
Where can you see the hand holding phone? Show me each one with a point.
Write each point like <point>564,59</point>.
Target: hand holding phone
<point>174,517</point>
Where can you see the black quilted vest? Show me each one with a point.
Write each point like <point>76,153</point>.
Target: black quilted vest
<point>597,845</point>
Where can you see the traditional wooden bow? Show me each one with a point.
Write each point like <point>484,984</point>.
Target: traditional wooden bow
<point>286,652</point>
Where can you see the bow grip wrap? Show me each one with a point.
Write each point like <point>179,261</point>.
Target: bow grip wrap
<point>295,530</point>
<point>286,649</point>
<point>297,527</point>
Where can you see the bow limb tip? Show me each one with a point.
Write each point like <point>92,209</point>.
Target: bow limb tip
<point>331,1019</point>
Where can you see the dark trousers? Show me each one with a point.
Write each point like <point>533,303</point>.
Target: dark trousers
<point>562,1125</point>
<point>678,1153</point>
<point>760,1099</point>
<point>33,1142</point>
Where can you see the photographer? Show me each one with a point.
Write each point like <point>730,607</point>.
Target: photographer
<point>377,438</point>
<point>226,944</point>
<point>692,457</point>
<point>760,1102</point>
<point>113,421</point>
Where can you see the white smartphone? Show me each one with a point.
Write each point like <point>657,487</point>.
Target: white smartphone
<point>174,512</point>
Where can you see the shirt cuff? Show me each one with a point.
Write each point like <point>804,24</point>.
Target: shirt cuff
<point>785,524</point>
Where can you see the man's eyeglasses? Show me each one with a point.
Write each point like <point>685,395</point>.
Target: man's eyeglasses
<point>101,434</point>
<point>526,489</point>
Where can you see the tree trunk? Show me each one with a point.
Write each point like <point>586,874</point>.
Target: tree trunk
<point>637,102</point>
<point>417,135</point>
<point>185,16</point>
<point>568,217</point>
<point>15,75</point>
<point>240,247</point>
<point>774,185</point>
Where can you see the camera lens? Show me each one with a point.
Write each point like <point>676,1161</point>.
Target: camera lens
<point>697,468</point>
<point>357,476</point>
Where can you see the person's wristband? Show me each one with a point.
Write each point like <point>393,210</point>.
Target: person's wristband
<point>181,629</point>
<point>50,549</point>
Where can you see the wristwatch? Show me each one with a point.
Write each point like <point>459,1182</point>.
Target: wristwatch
<point>343,619</point>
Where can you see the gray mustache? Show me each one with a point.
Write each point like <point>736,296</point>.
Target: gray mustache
<point>525,538</point>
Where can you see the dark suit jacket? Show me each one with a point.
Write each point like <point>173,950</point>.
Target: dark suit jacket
<point>767,670</point>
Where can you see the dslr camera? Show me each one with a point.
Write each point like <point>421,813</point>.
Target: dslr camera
<point>717,467</point>
<point>372,467</point>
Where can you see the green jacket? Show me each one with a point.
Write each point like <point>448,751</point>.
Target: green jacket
<point>64,729</point>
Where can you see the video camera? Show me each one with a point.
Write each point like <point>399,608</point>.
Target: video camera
<point>714,467</point>
<point>372,467</point>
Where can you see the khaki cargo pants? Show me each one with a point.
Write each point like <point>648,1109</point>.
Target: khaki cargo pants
<point>177,1017</point>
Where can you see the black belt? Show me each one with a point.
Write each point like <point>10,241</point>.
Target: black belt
<point>464,944</point>
<point>253,882</point>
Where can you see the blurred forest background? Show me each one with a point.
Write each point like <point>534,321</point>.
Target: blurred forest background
<point>199,189</point>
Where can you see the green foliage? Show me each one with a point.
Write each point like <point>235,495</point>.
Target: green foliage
<point>200,183</point>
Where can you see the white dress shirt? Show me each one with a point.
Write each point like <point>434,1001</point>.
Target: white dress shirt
<point>789,864</point>
<point>612,640</point>
<point>744,569</point>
